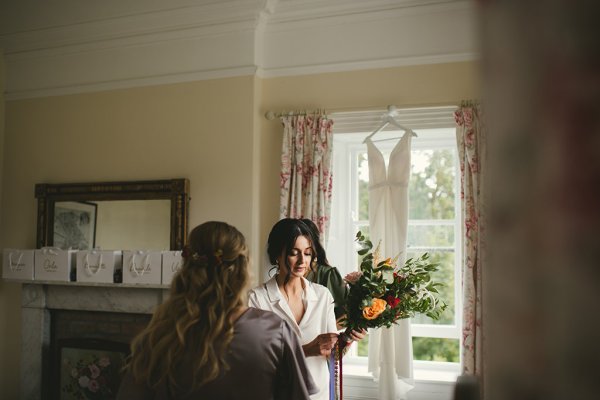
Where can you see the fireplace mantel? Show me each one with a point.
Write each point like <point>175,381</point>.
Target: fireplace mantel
<point>39,297</point>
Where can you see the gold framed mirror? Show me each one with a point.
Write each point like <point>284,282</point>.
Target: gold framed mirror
<point>113,215</point>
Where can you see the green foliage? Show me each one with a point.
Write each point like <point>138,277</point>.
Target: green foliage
<point>431,191</point>
<point>424,349</point>
<point>381,293</point>
<point>436,349</point>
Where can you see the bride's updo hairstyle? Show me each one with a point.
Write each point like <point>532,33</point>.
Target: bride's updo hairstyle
<point>194,323</point>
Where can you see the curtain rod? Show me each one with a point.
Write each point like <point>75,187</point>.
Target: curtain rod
<point>469,103</point>
<point>271,115</point>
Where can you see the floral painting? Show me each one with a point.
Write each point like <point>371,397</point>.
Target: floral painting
<point>90,374</point>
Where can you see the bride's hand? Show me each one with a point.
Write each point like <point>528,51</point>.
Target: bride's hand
<point>321,345</point>
<point>355,336</point>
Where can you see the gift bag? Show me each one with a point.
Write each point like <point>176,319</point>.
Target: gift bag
<point>17,264</point>
<point>142,267</point>
<point>98,265</point>
<point>171,263</point>
<point>54,264</point>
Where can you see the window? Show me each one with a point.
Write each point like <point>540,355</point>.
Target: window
<point>434,224</point>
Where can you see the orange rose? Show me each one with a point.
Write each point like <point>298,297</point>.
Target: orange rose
<point>375,309</point>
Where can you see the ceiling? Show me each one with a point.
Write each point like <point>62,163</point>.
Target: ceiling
<point>66,46</point>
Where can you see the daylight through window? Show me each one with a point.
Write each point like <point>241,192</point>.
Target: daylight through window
<point>433,226</point>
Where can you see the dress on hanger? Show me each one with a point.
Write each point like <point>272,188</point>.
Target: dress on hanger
<point>390,349</point>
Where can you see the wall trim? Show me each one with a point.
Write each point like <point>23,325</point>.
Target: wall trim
<point>219,39</point>
<point>366,64</point>
<point>132,83</point>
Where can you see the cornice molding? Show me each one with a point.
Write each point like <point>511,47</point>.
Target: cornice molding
<point>366,64</point>
<point>90,87</point>
<point>267,38</point>
<point>223,16</point>
<point>327,10</point>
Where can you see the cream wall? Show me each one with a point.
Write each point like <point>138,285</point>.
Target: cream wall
<point>212,132</point>
<point>9,315</point>
<point>202,131</point>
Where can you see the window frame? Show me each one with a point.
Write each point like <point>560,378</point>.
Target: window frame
<point>347,147</point>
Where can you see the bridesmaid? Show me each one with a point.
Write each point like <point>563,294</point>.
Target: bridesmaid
<point>203,342</point>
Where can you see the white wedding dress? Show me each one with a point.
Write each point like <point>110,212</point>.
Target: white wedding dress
<point>390,349</point>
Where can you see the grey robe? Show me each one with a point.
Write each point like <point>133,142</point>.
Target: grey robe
<point>266,363</point>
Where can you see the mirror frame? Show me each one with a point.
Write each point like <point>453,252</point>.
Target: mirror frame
<point>176,190</point>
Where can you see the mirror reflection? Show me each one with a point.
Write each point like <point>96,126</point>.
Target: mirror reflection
<point>124,215</point>
<point>114,224</point>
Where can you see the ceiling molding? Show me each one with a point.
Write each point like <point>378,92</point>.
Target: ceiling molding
<point>366,64</point>
<point>319,11</point>
<point>209,17</point>
<point>89,87</point>
<point>205,39</point>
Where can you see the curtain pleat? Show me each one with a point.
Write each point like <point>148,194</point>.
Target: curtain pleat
<point>306,161</point>
<point>471,141</point>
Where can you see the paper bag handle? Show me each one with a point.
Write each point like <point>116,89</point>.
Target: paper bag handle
<point>86,263</point>
<point>143,270</point>
<point>14,267</point>
<point>50,250</point>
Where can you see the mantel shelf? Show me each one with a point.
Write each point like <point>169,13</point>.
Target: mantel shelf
<point>86,284</point>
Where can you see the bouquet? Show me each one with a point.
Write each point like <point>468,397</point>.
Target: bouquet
<point>381,293</point>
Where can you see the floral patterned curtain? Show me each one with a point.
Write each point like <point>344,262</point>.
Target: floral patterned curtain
<point>306,160</point>
<point>471,140</point>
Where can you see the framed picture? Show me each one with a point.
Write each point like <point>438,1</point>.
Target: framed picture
<point>75,225</point>
<point>90,368</point>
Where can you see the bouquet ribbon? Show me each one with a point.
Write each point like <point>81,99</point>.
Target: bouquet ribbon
<point>335,369</point>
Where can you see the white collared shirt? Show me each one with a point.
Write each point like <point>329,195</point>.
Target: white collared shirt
<point>318,318</point>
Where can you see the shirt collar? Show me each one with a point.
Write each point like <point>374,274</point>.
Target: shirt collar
<point>275,295</point>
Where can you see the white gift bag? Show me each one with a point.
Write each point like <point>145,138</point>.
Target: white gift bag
<point>54,264</point>
<point>18,264</point>
<point>98,265</point>
<point>171,263</point>
<point>142,266</point>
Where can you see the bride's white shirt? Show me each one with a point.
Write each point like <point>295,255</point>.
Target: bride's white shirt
<point>318,318</point>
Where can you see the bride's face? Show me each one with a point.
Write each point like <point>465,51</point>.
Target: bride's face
<point>298,259</point>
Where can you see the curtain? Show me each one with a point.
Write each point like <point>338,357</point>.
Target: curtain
<point>390,349</point>
<point>471,140</point>
<point>306,161</point>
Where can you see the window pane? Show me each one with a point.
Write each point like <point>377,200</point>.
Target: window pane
<point>434,349</point>
<point>363,187</point>
<point>444,275</point>
<point>430,235</point>
<point>363,347</point>
<point>431,187</point>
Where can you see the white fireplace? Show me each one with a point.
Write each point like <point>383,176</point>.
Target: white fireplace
<point>40,299</point>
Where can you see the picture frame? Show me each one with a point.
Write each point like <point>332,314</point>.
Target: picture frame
<point>89,368</point>
<point>75,225</point>
<point>177,191</point>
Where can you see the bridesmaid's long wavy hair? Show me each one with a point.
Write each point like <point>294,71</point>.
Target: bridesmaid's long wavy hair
<point>195,323</point>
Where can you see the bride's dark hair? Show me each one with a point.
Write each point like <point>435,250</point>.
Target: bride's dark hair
<point>321,254</point>
<point>282,238</point>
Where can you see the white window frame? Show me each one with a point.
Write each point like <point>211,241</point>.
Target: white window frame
<point>347,145</point>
